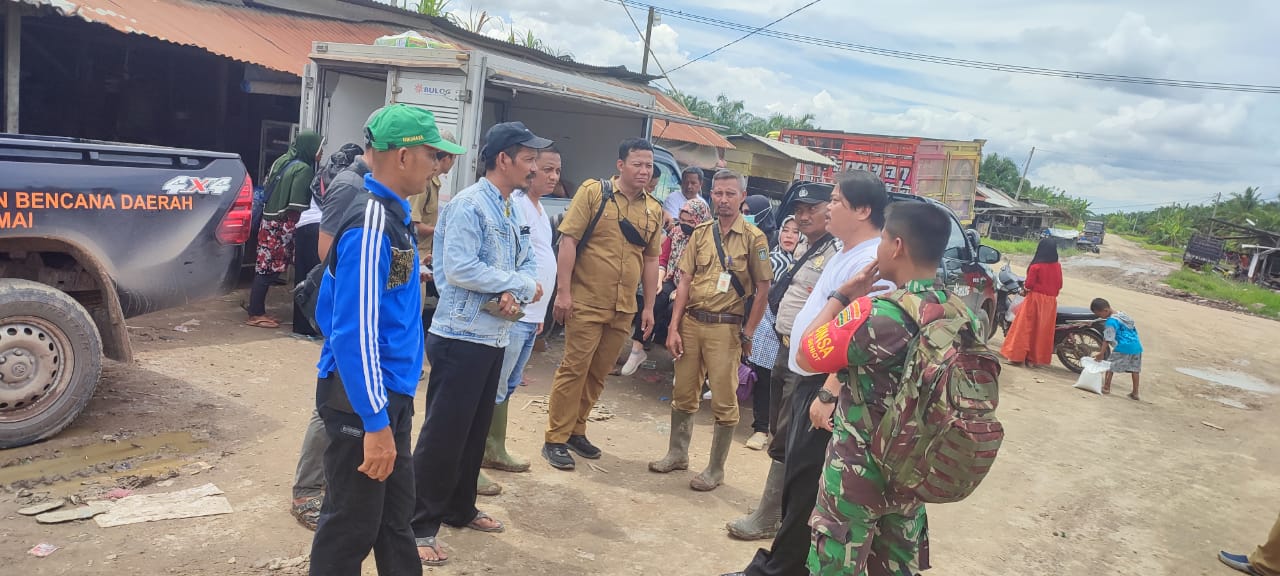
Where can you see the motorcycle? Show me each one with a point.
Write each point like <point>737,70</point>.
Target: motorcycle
<point>1077,332</point>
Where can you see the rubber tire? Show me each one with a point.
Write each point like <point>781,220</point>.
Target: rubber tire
<point>26,298</point>
<point>1075,366</point>
<point>988,318</point>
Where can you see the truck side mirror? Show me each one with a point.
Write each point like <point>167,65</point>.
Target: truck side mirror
<point>988,255</point>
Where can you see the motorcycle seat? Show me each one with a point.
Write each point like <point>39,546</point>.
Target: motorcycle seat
<point>1075,314</point>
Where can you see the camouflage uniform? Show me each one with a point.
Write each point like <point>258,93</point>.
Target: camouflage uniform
<point>859,527</point>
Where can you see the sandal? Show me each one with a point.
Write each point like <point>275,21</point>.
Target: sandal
<point>262,322</point>
<point>499,526</point>
<point>430,542</point>
<point>307,511</point>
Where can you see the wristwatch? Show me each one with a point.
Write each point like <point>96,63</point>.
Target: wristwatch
<point>826,397</point>
<point>838,297</point>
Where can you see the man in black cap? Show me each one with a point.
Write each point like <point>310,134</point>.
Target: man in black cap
<point>809,204</point>
<point>854,214</point>
<point>481,248</point>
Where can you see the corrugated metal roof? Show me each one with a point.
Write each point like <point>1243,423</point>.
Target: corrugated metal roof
<point>996,197</point>
<point>699,135</point>
<point>274,40</point>
<point>792,151</point>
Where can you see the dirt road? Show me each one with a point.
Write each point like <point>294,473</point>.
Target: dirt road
<point>1085,485</point>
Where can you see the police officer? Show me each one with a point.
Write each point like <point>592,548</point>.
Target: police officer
<point>789,295</point>
<point>609,243</point>
<point>859,526</point>
<point>726,261</point>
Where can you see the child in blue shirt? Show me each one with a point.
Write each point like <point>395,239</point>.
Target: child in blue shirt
<point>1122,343</point>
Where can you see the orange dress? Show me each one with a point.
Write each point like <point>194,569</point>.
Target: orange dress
<point>1030,337</point>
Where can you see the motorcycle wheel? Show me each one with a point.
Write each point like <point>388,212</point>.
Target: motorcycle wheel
<point>1076,345</point>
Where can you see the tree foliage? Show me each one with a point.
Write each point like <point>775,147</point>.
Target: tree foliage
<point>1174,225</point>
<point>1001,172</point>
<point>733,115</point>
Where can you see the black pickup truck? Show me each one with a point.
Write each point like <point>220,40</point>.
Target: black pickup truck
<point>92,233</point>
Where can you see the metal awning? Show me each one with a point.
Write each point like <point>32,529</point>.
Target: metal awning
<point>522,85</point>
<point>788,150</point>
<point>273,40</point>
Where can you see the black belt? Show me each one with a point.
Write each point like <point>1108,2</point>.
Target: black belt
<point>709,318</point>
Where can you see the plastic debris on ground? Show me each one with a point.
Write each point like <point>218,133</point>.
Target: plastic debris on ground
<point>42,550</point>
<point>203,500</point>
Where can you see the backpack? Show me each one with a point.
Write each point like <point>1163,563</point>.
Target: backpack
<point>939,435</point>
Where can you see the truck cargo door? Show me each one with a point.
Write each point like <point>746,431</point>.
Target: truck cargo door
<point>348,100</point>
<point>445,95</point>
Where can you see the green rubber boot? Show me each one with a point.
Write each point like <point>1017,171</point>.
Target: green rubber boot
<point>713,475</point>
<point>495,445</point>
<point>487,487</point>
<point>677,457</point>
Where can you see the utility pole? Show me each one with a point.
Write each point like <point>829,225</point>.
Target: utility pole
<point>648,35</point>
<point>1018,195</point>
<point>12,64</point>
<point>1215,213</point>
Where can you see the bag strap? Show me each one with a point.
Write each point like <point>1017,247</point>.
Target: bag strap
<point>785,281</point>
<point>733,278</point>
<point>606,194</point>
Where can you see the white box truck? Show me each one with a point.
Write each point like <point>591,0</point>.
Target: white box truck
<point>470,90</point>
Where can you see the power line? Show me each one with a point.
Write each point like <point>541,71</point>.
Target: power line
<point>1136,159</point>
<point>960,62</point>
<point>636,25</point>
<point>747,35</point>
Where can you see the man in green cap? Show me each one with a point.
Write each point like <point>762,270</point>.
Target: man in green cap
<point>367,307</point>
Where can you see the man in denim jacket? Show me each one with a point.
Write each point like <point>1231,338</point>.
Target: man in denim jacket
<point>485,271</point>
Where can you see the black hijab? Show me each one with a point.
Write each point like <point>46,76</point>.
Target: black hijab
<point>1046,252</point>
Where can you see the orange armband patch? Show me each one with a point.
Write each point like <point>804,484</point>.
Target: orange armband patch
<point>827,348</point>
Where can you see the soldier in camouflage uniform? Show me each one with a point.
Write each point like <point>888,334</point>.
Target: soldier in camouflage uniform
<point>859,525</point>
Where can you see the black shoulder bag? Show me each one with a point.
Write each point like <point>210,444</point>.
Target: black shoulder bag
<point>780,287</point>
<point>606,194</point>
<point>307,292</point>
<point>733,278</point>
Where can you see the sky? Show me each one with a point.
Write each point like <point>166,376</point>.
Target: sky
<point>1121,146</point>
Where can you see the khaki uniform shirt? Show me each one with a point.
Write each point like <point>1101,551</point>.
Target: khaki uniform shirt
<point>608,268</point>
<point>746,252</point>
<point>801,286</point>
<point>425,208</point>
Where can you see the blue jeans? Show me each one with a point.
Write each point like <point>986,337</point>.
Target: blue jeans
<point>516,357</point>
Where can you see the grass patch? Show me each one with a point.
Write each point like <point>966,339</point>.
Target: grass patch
<point>1012,246</point>
<point>1026,247</point>
<point>1175,258</point>
<point>1149,245</point>
<point>1254,298</point>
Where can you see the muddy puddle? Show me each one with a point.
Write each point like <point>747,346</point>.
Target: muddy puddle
<point>113,456</point>
<point>1232,379</point>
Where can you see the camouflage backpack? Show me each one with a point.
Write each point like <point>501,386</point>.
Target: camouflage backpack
<point>939,435</point>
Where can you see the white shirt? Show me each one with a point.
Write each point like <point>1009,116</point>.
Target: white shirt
<point>540,234</point>
<point>839,270</point>
<point>310,215</point>
<point>674,203</point>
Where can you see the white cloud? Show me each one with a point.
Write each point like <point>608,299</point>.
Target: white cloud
<point>1116,144</point>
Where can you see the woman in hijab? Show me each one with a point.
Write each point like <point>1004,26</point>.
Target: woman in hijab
<point>1030,339</point>
<point>765,343</point>
<point>759,212</point>
<point>289,193</point>
<point>306,236</point>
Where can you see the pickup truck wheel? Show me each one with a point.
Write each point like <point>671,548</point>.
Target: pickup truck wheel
<point>50,361</point>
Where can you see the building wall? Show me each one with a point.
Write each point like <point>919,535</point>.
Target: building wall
<point>86,80</point>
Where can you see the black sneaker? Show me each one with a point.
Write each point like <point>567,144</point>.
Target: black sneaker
<point>584,447</point>
<point>558,456</point>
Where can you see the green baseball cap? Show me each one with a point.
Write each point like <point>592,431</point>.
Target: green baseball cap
<point>402,125</point>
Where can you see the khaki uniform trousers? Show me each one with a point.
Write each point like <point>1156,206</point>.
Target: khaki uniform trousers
<point>592,339</point>
<point>714,350</point>
<point>1266,559</point>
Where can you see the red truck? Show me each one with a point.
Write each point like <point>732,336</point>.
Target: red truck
<point>944,170</point>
